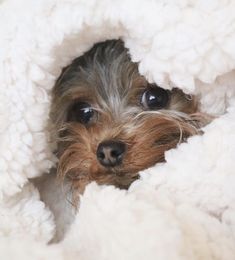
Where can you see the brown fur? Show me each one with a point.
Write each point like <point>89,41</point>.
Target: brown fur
<point>112,84</point>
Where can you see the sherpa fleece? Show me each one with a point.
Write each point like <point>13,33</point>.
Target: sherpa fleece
<point>181,209</point>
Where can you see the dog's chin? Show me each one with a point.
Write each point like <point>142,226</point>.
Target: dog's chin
<point>120,179</point>
<point>123,179</point>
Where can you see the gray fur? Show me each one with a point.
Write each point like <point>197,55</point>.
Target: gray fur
<point>106,78</point>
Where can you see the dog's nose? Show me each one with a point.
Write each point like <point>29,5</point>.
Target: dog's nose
<point>110,153</point>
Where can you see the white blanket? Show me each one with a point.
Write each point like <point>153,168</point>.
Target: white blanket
<point>182,209</point>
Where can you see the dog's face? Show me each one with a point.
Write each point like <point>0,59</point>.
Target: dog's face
<point>111,123</point>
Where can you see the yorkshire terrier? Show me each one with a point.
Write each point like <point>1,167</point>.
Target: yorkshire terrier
<point>110,123</point>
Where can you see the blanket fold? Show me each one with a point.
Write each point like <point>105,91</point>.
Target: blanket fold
<point>182,209</point>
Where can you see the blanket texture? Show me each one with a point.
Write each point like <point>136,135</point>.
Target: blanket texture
<point>182,209</point>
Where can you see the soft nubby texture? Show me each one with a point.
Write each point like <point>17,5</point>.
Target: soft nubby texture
<point>182,209</point>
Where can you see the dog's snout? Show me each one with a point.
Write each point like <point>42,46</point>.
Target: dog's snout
<point>110,153</point>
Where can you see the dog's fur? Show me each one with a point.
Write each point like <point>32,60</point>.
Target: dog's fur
<point>107,80</point>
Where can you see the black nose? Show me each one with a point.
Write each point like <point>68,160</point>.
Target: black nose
<point>110,153</point>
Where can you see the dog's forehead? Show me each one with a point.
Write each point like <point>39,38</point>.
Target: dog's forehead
<point>110,76</point>
<point>116,87</point>
<point>104,76</point>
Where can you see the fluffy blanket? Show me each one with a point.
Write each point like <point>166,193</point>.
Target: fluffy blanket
<point>182,209</point>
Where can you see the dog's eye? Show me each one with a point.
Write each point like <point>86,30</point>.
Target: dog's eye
<point>155,98</point>
<point>81,112</point>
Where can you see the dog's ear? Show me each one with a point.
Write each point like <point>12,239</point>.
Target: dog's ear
<point>62,76</point>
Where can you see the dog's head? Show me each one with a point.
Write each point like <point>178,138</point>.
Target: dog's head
<point>111,123</point>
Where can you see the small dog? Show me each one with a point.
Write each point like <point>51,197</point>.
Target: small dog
<point>111,123</point>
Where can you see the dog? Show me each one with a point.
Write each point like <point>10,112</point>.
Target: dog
<point>110,123</point>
